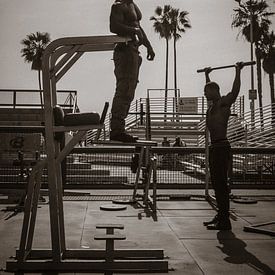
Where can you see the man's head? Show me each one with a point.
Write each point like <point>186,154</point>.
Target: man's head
<point>212,91</point>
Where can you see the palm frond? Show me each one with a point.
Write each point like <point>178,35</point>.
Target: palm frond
<point>34,45</point>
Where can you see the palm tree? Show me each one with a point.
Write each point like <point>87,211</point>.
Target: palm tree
<point>162,27</point>
<point>179,23</point>
<point>34,46</point>
<point>269,67</point>
<point>256,13</point>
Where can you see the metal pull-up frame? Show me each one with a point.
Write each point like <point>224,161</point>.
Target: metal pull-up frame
<point>58,58</point>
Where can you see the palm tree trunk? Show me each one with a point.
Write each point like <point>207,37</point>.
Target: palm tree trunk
<point>40,88</point>
<point>272,97</point>
<point>166,77</point>
<point>259,82</point>
<point>175,79</point>
<point>175,67</point>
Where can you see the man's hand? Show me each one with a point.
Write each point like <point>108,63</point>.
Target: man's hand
<point>239,65</point>
<point>207,70</point>
<point>150,54</point>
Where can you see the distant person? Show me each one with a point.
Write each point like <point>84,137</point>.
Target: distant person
<point>179,142</point>
<point>219,151</point>
<point>125,21</point>
<point>165,142</point>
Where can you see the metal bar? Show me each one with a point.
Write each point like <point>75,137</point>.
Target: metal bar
<point>93,254</point>
<point>50,145</point>
<point>22,129</point>
<point>140,162</point>
<point>68,66</point>
<point>70,145</point>
<point>102,119</point>
<point>14,99</point>
<point>227,66</point>
<point>34,208</point>
<point>94,267</point>
<point>69,53</point>
<point>207,170</point>
<point>32,91</point>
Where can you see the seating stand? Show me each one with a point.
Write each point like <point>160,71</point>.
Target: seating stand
<point>58,58</point>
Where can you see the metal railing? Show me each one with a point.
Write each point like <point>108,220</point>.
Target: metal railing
<point>242,132</point>
<point>20,98</point>
<point>139,122</point>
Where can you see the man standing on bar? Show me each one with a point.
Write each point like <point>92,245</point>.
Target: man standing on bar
<point>217,117</point>
<point>125,21</point>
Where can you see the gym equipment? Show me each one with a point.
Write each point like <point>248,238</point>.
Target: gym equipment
<point>21,150</point>
<point>58,58</point>
<point>256,228</point>
<point>226,67</point>
<point>145,173</point>
<point>112,207</point>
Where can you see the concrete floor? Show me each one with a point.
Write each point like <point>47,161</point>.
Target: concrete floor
<point>178,230</point>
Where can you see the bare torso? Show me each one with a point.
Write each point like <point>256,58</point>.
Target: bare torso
<point>132,14</point>
<point>125,16</point>
<point>217,120</point>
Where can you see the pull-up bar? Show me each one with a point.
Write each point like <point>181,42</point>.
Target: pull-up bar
<point>225,67</point>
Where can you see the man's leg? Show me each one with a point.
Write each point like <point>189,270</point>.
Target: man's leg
<point>219,164</point>
<point>212,175</point>
<point>127,65</point>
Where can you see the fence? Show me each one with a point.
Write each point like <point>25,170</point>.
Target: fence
<point>100,167</point>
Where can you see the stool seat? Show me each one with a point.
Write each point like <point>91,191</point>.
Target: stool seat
<point>105,226</point>
<point>115,236</point>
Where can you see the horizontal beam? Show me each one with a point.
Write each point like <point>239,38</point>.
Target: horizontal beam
<point>22,129</point>
<point>88,266</point>
<point>92,43</point>
<point>98,254</point>
<point>77,128</point>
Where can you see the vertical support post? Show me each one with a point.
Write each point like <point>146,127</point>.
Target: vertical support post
<point>14,100</point>
<point>252,104</point>
<point>140,161</point>
<point>207,172</point>
<point>51,163</point>
<point>154,164</point>
<point>148,120</point>
<point>141,114</point>
<point>202,110</point>
<point>36,194</point>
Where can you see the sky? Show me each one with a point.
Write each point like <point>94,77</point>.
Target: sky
<point>210,42</point>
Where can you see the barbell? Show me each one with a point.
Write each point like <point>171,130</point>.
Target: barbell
<point>225,67</point>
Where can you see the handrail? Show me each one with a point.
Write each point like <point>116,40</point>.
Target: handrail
<point>14,99</point>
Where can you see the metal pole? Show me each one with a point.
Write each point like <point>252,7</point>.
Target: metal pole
<point>207,172</point>
<point>252,103</point>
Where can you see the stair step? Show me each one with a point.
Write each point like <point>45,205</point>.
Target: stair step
<point>72,171</point>
<point>115,236</point>
<point>106,226</point>
<point>94,179</point>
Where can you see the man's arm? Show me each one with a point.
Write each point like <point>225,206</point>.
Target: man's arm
<point>207,72</point>
<point>230,98</point>
<point>147,44</point>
